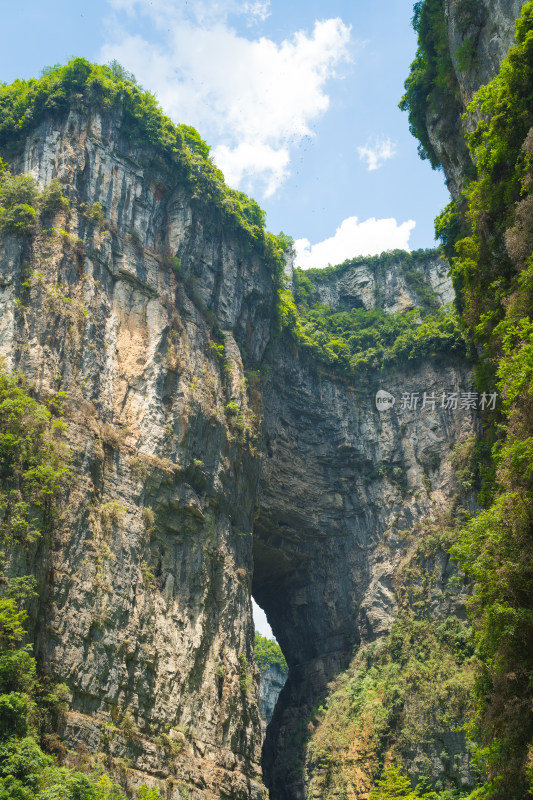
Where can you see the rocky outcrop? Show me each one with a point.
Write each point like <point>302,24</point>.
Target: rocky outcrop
<point>272,680</point>
<point>479,34</point>
<point>338,478</point>
<point>193,484</point>
<point>389,286</point>
<point>141,309</point>
<point>145,608</point>
<point>491,28</point>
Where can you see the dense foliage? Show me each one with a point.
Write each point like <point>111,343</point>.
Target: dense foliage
<point>267,653</point>
<point>401,695</point>
<point>488,233</point>
<point>394,786</point>
<point>23,207</point>
<point>357,340</point>
<point>33,468</point>
<point>431,87</point>
<point>90,87</point>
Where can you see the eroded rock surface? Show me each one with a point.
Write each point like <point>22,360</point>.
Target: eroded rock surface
<point>363,285</point>
<point>145,586</point>
<point>338,478</point>
<point>145,608</point>
<point>478,40</point>
<point>272,681</point>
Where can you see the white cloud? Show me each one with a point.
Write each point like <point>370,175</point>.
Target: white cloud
<point>249,161</point>
<point>257,9</point>
<point>375,155</point>
<point>164,10</point>
<point>254,99</point>
<point>354,238</point>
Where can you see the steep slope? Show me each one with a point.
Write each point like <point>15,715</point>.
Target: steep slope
<point>144,608</point>
<point>461,45</point>
<point>486,233</point>
<point>342,485</point>
<point>273,674</point>
<point>206,402</point>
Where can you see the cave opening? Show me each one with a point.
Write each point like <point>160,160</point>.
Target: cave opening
<point>315,649</point>
<point>272,666</point>
<point>314,526</point>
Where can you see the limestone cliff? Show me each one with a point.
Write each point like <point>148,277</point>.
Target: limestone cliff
<point>461,47</point>
<point>391,288</point>
<point>145,586</point>
<point>272,681</point>
<point>338,479</point>
<point>212,457</point>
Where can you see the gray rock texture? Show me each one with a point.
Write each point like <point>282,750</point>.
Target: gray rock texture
<point>271,682</point>
<point>145,608</point>
<point>191,489</point>
<point>490,32</point>
<point>364,285</point>
<point>338,477</point>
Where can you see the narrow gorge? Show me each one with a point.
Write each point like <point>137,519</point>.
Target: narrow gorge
<point>217,413</point>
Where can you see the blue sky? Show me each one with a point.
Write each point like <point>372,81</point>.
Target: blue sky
<point>298,101</point>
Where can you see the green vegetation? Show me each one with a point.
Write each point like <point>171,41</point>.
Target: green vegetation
<point>32,464</point>
<point>267,653</point>
<point>90,87</point>
<point>400,695</point>
<point>432,84</point>
<point>394,786</point>
<point>33,470</point>
<point>52,199</point>
<point>18,196</point>
<point>21,203</point>
<point>356,340</point>
<point>487,233</point>
<point>246,680</point>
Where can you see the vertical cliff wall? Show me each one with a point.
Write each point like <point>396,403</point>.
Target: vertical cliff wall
<point>144,607</point>
<point>141,303</point>
<point>212,455</point>
<point>461,45</point>
<point>486,230</point>
<point>341,485</point>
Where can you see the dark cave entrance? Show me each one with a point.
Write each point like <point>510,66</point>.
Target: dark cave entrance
<point>272,666</point>
<point>289,587</point>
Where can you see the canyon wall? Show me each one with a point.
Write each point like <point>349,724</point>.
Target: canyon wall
<point>145,609</point>
<point>478,36</point>
<point>211,457</point>
<point>145,604</point>
<point>341,484</point>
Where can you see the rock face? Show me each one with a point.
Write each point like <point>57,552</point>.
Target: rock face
<point>145,586</point>
<point>389,288</point>
<point>338,476</point>
<point>479,37</point>
<point>145,609</point>
<point>272,681</point>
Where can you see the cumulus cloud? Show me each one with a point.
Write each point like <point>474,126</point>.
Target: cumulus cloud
<point>375,155</point>
<point>246,162</point>
<point>254,99</point>
<point>354,238</point>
